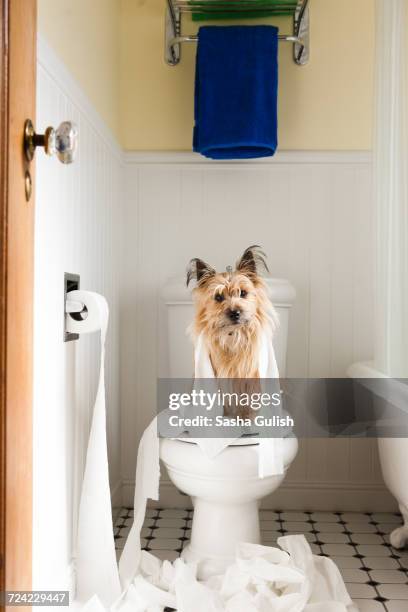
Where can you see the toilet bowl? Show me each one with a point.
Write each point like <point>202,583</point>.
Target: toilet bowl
<point>226,492</point>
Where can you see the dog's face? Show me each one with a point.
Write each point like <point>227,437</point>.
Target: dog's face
<point>228,300</point>
<point>231,302</point>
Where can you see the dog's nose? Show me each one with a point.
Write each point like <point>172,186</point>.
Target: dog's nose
<point>234,315</point>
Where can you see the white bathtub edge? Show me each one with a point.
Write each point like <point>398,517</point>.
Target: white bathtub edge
<point>364,369</point>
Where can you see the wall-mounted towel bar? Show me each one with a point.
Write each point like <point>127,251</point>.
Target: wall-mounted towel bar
<point>231,9</point>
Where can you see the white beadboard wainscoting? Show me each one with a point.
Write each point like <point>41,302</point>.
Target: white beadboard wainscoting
<point>312,214</point>
<point>77,224</point>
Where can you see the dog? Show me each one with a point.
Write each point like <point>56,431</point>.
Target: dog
<point>232,311</point>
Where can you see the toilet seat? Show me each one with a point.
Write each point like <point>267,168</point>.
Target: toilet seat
<point>186,457</point>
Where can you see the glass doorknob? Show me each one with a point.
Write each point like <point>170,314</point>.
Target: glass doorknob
<point>61,142</point>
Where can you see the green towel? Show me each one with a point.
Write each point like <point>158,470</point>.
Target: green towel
<point>282,8</point>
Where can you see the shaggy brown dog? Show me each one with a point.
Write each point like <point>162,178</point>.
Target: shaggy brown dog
<point>232,311</point>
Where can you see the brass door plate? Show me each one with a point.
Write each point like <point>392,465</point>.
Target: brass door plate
<point>29,140</point>
<point>28,185</point>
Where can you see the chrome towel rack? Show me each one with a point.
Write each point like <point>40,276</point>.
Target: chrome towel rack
<point>299,9</point>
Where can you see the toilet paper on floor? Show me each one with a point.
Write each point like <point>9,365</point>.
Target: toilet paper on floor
<point>261,579</point>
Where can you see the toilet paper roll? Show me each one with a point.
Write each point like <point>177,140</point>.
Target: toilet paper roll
<point>94,318</point>
<point>95,559</point>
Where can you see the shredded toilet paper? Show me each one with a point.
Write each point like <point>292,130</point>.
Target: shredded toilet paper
<point>261,578</point>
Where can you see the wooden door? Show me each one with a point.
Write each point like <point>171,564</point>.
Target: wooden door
<point>17,90</point>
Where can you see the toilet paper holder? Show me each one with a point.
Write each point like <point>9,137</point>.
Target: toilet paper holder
<point>77,310</point>
<point>72,308</point>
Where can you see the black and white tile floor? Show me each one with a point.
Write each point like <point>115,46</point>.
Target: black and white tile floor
<point>376,575</point>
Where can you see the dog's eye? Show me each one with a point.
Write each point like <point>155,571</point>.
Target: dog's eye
<point>243,293</point>
<point>219,297</point>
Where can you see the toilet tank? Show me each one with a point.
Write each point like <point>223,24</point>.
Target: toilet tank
<point>179,313</point>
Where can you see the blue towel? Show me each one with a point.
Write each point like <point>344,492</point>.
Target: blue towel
<point>236,92</point>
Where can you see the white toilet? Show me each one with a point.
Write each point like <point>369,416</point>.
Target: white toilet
<point>225,491</point>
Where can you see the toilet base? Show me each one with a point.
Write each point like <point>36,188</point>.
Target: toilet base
<point>206,567</point>
<point>216,531</point>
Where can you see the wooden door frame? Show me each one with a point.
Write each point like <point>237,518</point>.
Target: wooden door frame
<point>17,101</point>
<point>3,270</point>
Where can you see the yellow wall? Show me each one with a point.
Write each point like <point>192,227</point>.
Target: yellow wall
<point>114,48</point>
<point>326,105</point>
<point>85,35</point>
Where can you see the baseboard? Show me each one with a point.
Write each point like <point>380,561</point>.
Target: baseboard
<point>293,496</point>
<point>326,496</point>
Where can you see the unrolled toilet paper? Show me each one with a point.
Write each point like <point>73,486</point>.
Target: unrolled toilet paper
<point>261,578</point>
<point>96,567</point>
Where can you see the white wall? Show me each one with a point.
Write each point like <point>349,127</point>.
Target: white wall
<point>77,223</point>
<point>312,214</point>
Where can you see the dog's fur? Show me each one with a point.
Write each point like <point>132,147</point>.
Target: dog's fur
<point>233,343</point>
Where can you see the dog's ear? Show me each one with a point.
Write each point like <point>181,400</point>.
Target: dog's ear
<point>199,270</point>
<point>252,261</point>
